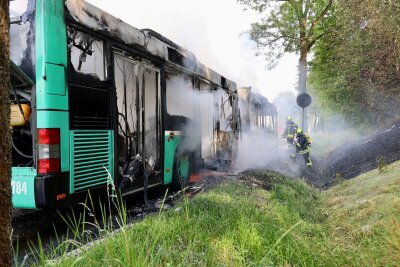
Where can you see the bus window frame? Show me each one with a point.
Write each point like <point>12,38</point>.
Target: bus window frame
<point>144,63</point>
<point>80,78</point>
<point>112,44</point>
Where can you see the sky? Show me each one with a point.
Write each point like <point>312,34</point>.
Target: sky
<point>215,32</point>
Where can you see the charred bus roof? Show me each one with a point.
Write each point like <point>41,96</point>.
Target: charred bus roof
<point>256,99</point>
<point>152,42</point>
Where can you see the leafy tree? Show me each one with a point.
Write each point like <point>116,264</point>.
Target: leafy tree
<point>356,68</point>
<point>289,26</point>
<point>5,148</point>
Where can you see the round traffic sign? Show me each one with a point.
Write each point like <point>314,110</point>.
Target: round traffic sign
<point>304,100</point>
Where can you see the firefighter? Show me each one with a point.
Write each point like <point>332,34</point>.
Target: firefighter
<point>303,143</point>
<point>289,133</point>
<point>290,130</point>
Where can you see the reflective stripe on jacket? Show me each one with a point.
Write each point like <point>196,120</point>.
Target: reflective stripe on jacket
<point>304,151</point>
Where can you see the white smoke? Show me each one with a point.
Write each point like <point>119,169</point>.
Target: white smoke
<point>213,31</point>
<point>182,102</point>
<point>197,109</point>
<point>328,130</point>
<point>260,150</point>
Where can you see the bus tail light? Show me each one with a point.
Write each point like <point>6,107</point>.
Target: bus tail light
<point>49,151</point>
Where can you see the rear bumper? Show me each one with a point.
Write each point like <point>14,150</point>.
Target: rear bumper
<point>30,191</point>
<point>52,191</point>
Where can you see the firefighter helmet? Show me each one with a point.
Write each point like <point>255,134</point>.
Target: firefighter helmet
<point>289,118</point>
<point>299,130</point>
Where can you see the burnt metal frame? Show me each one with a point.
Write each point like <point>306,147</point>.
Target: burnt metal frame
<point>140,53</point>
<point>109,45</point>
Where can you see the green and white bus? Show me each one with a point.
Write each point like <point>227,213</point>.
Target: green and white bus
<point>96,101</point>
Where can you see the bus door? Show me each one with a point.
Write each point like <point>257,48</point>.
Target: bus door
<point>138,103</point>
<point>90,112</point>
<point>151,119</point>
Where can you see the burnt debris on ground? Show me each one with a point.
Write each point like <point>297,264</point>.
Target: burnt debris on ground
<point>263,179</point>
<point>353,159</point>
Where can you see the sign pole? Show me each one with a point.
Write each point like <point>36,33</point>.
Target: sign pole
<point>303,100</point>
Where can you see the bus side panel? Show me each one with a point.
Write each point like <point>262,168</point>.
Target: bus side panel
<point>51,55</point>
<point>22,183</point>
<point>171,143</point>
<point>51,104</point>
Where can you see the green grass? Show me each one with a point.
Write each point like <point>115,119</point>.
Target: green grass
<point>364,218</point>
<point>356,223</point>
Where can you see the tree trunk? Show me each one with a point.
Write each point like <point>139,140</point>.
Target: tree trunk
<point>5,148</point>
<point>303,83</point>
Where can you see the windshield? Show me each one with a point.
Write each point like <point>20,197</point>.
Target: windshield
<point>22,35</point>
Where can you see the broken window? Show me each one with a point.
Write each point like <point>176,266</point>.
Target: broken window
<point>22,38</point>
<point>86,53</point>
<point>127,102</point>
<point>207,124</point>
<point>180,96</point>
<point>183,111</point>
<point>152,110</point>
<point>139,109</point>
<point>226,102</point>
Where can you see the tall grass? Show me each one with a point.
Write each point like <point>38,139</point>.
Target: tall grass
<point>239,224</point>
<point>231,225</point>
<point>363,218</point>
<point>95,221</point>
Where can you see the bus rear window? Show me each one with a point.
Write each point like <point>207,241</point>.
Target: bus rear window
<point>86,53</point>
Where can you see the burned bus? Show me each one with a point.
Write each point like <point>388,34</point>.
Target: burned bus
<point>95,102</point>
<point>258,115</point>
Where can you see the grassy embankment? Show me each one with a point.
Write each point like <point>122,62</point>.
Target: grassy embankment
<point>356,223</point>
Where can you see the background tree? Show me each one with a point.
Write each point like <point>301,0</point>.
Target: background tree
<point>356,68</point>
<point>5,148</point>
<point>289,26</point>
